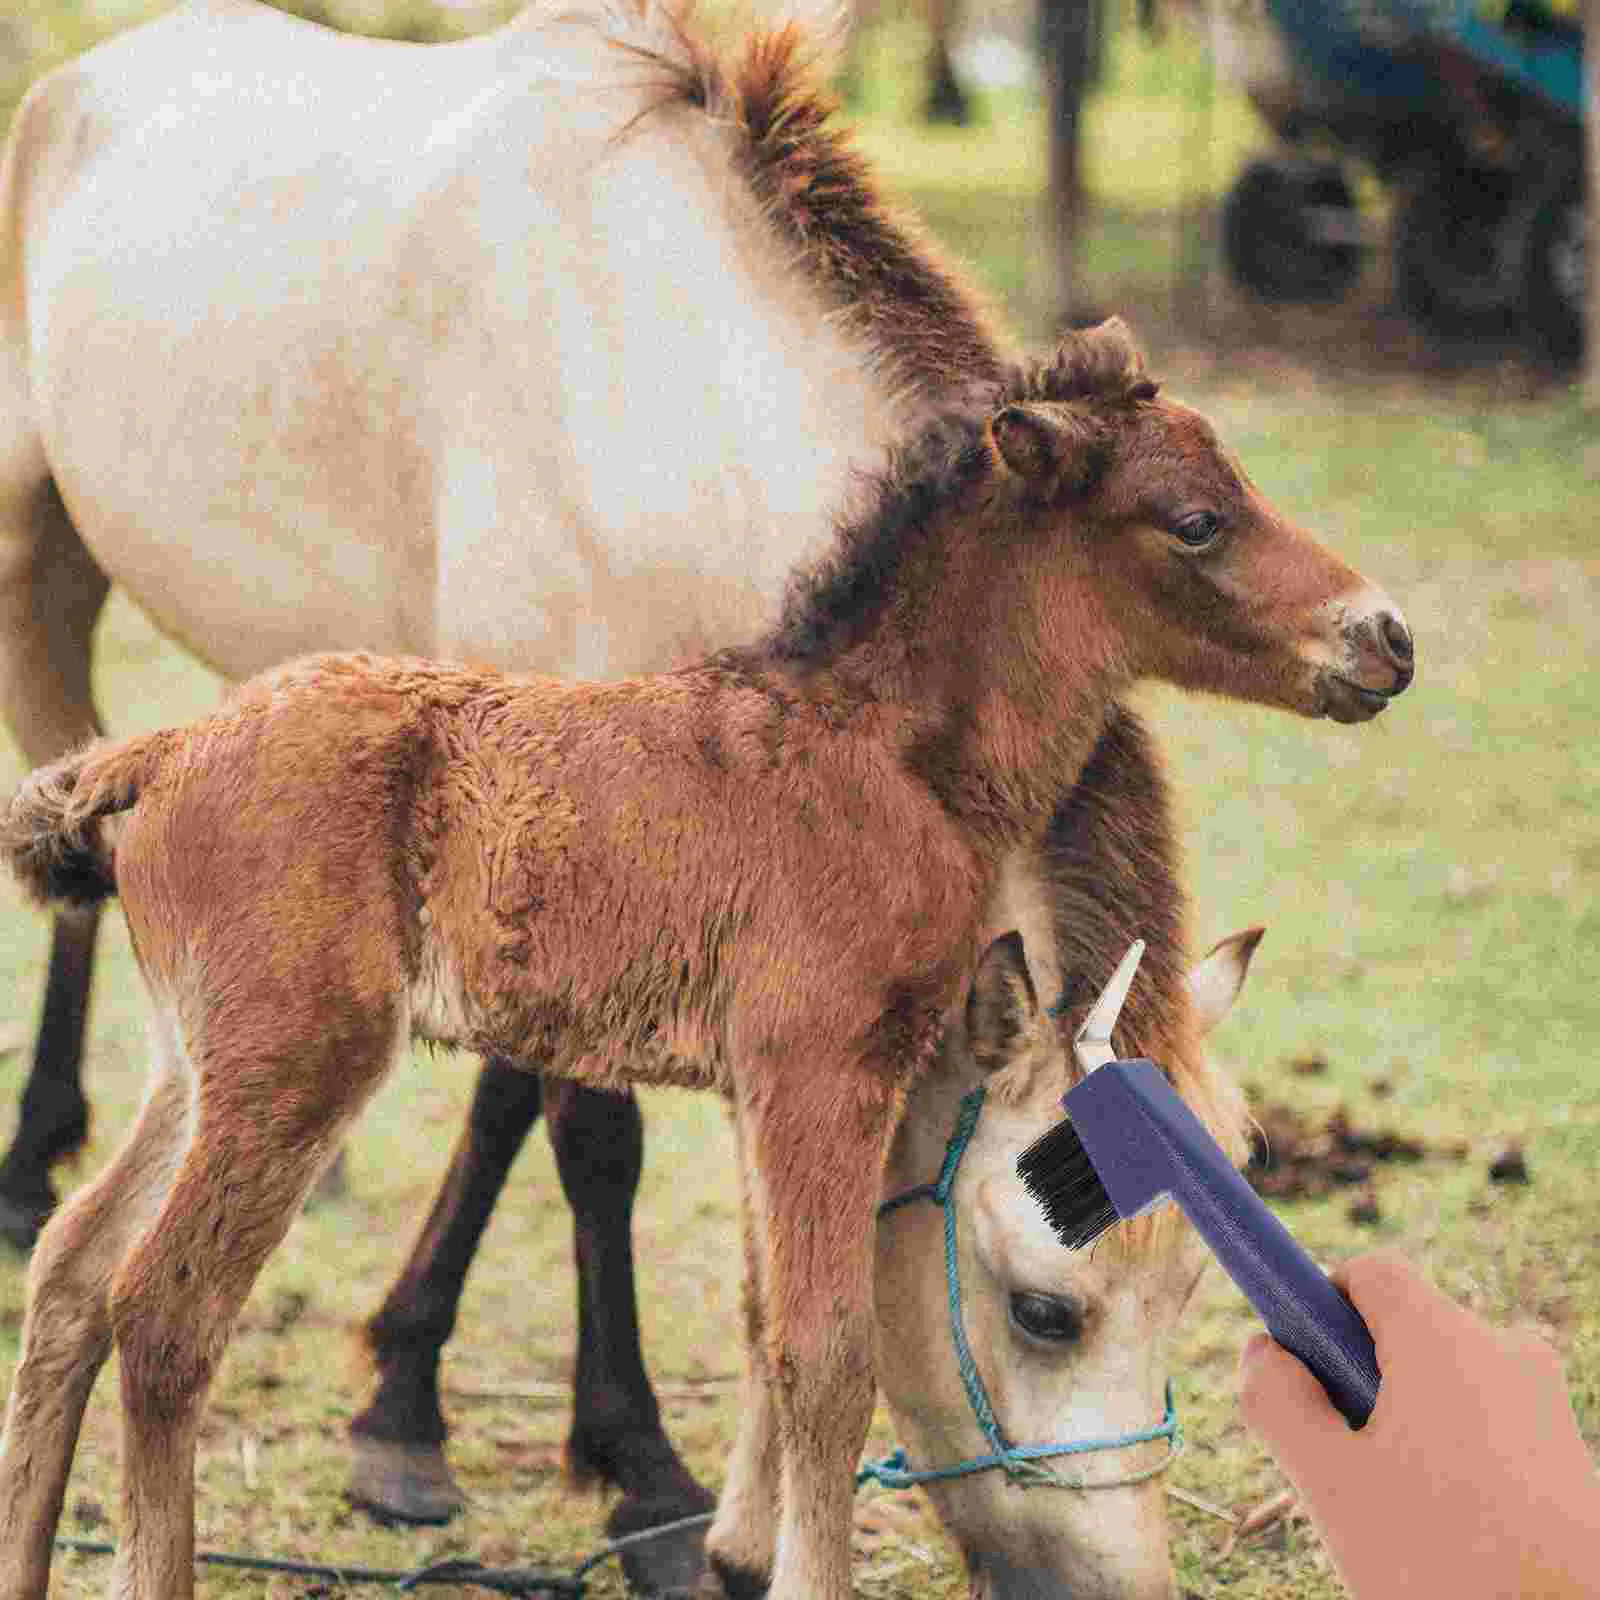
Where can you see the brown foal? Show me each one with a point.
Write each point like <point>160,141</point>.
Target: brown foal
<point>765,874</point>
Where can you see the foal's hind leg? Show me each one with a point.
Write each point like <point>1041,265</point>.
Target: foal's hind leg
<point>51,592</point>
<point>268,1121</point>
<point>67,1333</point>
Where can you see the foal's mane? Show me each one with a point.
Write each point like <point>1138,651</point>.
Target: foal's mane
<point>1100,365</point>
<point>843,593</point>
<point>885,285</point>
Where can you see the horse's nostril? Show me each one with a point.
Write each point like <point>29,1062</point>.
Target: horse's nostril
<point>1398,638</point>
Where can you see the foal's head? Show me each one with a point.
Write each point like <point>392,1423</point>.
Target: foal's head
<point>1143,533</point>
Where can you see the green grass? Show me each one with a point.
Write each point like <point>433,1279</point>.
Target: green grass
<point>1431,885</point>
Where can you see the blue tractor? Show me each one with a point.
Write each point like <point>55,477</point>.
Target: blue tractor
<point>1468,112</point>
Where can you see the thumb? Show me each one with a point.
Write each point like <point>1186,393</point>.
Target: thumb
<point>1285,1406</point>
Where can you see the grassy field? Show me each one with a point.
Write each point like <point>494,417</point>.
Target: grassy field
<point>1431,886</point>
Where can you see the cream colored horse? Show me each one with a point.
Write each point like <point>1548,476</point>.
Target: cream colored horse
<point>541,349</point>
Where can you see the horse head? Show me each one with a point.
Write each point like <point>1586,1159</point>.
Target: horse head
<point>1068,1349</point>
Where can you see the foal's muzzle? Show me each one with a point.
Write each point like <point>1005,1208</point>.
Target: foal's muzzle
<point>1380,662</point>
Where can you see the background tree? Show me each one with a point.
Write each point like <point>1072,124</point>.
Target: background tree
<point>1070,38</point>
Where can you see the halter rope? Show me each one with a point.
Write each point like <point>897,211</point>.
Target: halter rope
<point>1022,1464</point>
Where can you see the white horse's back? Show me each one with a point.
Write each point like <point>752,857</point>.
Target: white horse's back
<point>454,348</point>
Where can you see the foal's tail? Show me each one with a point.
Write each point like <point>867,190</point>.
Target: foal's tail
<point>50,835</point>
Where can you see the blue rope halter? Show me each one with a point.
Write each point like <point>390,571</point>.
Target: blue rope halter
<point>1023,1465</point>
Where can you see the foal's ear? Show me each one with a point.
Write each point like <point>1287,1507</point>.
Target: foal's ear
<point>1001,1003</point>
<point>1050,447</point>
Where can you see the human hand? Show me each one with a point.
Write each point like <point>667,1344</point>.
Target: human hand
<point>1470,1480</point>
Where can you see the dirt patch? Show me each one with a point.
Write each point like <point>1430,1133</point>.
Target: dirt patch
<point>1509,1166</point>
<point>1295,1157</point>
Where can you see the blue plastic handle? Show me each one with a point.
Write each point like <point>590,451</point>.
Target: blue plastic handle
<point>1145,1143</point>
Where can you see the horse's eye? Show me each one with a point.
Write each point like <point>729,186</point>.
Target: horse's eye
<point>1042,1316</point>
<point>1198,529</point>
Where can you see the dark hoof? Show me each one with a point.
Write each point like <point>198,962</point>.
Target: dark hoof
<point>668,1568</point>
<point>725,1581</point>
<point>21,1220</point>
<point>402,1482</point>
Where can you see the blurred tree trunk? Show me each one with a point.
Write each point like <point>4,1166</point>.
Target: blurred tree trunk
<point>1591,253</point>
<point>946,100</point>
<point>1070,35</point>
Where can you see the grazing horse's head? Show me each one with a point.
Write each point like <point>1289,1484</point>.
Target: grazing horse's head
<point>1197,578</point>
<point>1071,1346</point>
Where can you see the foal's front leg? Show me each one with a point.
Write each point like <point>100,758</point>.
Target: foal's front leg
<point>743,1538</point>
<point>817,1141</point>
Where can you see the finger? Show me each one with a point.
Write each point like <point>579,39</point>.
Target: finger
<point>1533,1342</point>
<point>1402,1309</point>
<point>1289,1410</point>
<point>1536,1357</point>
<point>1376,1275</point>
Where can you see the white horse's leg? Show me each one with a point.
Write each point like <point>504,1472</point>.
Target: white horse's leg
<point>67,1333</point>
<point>51,593</point>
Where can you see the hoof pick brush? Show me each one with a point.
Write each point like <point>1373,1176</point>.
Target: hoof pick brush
<point>1130,1143</point>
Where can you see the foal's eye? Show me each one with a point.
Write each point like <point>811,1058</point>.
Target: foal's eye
<point>1042,1316</point>
<point>1198,529</point>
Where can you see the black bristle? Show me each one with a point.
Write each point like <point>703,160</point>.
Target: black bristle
<point>1056,1170</point>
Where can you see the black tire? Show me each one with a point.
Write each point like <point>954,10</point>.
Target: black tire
<point>1554,268</point>
<point>1455,250</point>
<point>1268,237</point>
